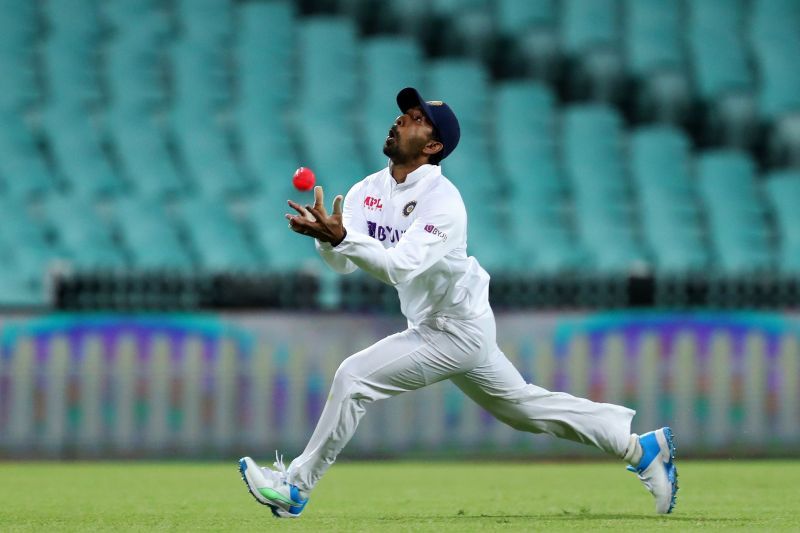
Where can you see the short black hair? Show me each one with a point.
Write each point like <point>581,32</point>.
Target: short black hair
<point>436,158</point>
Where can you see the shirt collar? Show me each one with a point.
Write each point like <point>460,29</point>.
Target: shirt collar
<point>419,174</point>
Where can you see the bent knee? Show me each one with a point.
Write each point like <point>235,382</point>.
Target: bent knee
<point>347,376</point>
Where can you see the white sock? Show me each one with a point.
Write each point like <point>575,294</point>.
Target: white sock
<point>633,454</point>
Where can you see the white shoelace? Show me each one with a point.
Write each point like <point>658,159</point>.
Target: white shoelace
<point>280,467</point>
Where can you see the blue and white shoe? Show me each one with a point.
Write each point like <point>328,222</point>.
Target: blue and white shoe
<point>656,469</point>
<point>272,488</point>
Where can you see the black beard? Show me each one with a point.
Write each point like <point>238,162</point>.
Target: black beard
<point>389,150</point>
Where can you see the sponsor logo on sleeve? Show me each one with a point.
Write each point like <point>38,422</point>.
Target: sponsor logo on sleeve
<point>433,230</point>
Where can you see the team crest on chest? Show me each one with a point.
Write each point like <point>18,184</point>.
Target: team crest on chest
<point>409,207</point>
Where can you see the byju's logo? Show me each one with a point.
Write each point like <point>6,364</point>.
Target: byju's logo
<point>383,233</point>
<point>373,204</point>
<point>433,230</point>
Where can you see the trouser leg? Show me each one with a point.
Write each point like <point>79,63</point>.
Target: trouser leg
<point>402,362</point>
<point>498,387</point>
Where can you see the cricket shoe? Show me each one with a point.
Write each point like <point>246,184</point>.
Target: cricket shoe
<point>656,469</point>
<point>272,488</point>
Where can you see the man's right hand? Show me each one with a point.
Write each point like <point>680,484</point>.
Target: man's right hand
<point>314,221</point>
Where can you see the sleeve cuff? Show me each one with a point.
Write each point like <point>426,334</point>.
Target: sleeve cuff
<point>322,245</point>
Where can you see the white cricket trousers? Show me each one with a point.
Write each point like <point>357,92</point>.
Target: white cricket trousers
<point>466,352</point>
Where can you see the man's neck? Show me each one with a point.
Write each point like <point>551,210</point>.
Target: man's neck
<point>400,171</point>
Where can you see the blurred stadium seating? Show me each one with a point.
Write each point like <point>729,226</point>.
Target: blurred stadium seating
<point>603,137</point>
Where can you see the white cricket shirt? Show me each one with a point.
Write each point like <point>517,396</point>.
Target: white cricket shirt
<point>413,236</point>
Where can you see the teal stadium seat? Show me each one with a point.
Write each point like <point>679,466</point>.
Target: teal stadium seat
<point>593,154</point>
<point>70,51</point>
<point>145,161</point>
<point>206,20</point>
<point>782,189</point>
<point>784,141</point>
<point>15,290</point>
<point>660,161</point>
<point>61,17</point>
<point>718,49</point>
<point>524,137</point>
<point>516,16</point>
<point>529,41</point>
<point>653,37</point>
<point>133,55</point>
<point>28,250</point>
<point>18,31</point>
<point>150,236</point>
<point>471,30</point>
<point>265,91</point>
<point>775,35</point>
<point>722,71</point>
<point>421,18</point>
<point>654,51</point>
<point>525,124</point>
<point>76,144</point>
<point>137,91</point>
<point>735,211</point>
<point>470,165</point>
<point>23,172</point>
<point>201,89</point>
<point>285,250</point>
<point>82,233</point>
<point>206,152</point>
<point>218,239</point>
<point>327,100</point>
<point>389,63</point>
<point>591,35</point>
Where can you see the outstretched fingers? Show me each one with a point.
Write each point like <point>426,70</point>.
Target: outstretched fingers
<point>319,200</point>
<point>302,210</point>
<point>337,204</point>
<point>297,223</point>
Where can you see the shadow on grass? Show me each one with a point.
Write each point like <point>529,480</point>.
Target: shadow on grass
<point>570,516</point>
<point>608,516</point>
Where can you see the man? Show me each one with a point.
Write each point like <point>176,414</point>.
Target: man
<point>406,225</point>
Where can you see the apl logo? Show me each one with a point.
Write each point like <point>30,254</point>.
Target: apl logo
<point>373,204</point>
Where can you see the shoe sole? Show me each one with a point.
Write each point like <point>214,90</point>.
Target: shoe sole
<point>672,470</point>
<point>277,512</point>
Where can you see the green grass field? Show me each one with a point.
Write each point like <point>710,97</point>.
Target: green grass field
<point>398,496</point>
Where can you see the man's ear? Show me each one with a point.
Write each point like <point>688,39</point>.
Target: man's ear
<point>433,147</point>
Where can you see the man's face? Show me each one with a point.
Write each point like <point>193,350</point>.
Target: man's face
<point>408,136</point>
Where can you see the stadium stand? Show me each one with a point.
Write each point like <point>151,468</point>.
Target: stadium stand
<point>140,222</point>
<point>525,137</point>
<point>660,158</point>
<point>656,60</point>
<point>735,211</point>
<point>782,191</point>
<point>593,155</point>
<point>598,138</point>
